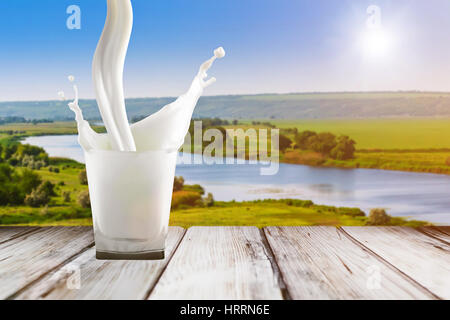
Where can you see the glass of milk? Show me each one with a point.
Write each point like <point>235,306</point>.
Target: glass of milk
<point>131,195</point>
<point>131,182</point>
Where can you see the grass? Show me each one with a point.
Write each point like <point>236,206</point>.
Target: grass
<point>273,213</point>
<point>415,145</point>
<point>259,214</point>
<point>383,133</point>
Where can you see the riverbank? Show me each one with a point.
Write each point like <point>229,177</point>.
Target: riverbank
<point>401,156</point>
<point>62,211</point>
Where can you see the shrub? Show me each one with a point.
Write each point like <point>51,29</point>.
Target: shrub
<point>44,210</point>
<point>340,148</point>
<point>13,162</point>
<point>344,149</point>
<point>208,201</point>
<point>84,200</point>
<point>285,143</point>
<point>194,188</point>
<point>29,180</point>
<point>353,212</point>
<point>178,184</point>
<point>301,139</point>
<point>67,196</point>
<point>37,198</point>
<point>378,217</point>
<point>186,199</point>
<point>82,177</point>
<point>48,188</point>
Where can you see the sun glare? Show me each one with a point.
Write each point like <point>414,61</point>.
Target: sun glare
<point>377,43</point>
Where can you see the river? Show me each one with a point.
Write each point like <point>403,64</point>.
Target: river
<point>417,195</point>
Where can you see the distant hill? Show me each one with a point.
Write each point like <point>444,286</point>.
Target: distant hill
<point>270,106</point>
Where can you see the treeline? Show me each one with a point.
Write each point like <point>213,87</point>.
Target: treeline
<point>7,120</point>
<point>18,187</point>
<point>207,122</point>
<point>327,144</point>
<point>23,186</point>
<point>23,155</point>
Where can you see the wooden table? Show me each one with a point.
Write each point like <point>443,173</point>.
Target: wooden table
<point>232,263</point>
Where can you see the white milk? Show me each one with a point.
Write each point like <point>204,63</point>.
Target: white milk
<point>167,128</point>
<point>107,71</point>
<point>131,170</point>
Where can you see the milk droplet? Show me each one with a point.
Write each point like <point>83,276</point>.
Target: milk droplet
<point>219,53</point>
<point>71,78</point>
<point>61,95</point>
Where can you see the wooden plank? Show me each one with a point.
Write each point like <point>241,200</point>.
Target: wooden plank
<point>26,259</point>
<point>88,278</point>
<point>436,233</point>
<point>422,258</point>
<point>9,233</point>
<point>322,263</point>
<point>445,230</point>
<point>226,263</point>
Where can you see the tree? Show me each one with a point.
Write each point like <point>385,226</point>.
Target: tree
<point>178,184</point>
<point>84,200</point>
<point>37,198</point>
<point>301,139</point>
<point>378,217</point>
<point>29,180</point>
<point>323,142</point>
<point>82,177</point>
<point>285,143</point>
<point>41,196</point>
<point>344,150</point>
<point>67,196</point>
<point>209,200</point>
<point>48,188</point>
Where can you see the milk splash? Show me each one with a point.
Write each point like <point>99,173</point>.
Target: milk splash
<point>87,137</point>
<point>174,119</point>
<point>164,130</point>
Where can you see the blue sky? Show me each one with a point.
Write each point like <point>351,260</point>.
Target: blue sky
<point>273,46</point>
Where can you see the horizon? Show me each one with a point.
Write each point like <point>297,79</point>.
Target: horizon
<point>274,47</point>
<point>250,95</point>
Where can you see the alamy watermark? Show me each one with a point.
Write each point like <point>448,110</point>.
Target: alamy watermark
<point>73,22</point>
<point>233,147</point>
<point>373,22</point>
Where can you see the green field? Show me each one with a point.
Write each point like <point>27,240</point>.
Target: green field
<point>382,133</point>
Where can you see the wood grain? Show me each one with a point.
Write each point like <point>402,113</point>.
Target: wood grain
<point>88,278</point>
<point>9,233</point>
<point>445,230</point>
<point>322,263</point>
<point>436,233</point>
<point>220,263</point>
<point>25,259</point>
<point>422,258</point>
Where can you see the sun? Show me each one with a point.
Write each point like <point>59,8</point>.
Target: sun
<point>377,43</point>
